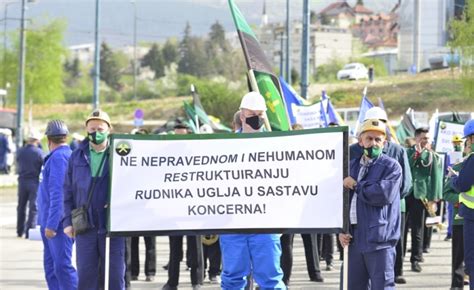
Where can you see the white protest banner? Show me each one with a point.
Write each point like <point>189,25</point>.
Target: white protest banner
<point>444,136</point>
<point>228,182</point>
<point>308,116</point>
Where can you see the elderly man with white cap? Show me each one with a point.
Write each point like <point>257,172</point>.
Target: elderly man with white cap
<point>256,253</point>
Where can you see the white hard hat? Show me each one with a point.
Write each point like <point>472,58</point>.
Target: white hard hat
<point>376,113</point>
<point>253,101</point>
<point>35,135</point>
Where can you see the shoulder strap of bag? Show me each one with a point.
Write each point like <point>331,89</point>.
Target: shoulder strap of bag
<point>94,180</point>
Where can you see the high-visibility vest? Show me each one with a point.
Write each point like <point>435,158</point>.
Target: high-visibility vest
<point>467,198</point>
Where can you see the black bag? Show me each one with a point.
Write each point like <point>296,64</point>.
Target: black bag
<point>79,216</point>
<point>80,220</point>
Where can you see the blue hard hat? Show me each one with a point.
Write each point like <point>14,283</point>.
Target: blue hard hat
<point>56,128</point>
<point>469,128</point>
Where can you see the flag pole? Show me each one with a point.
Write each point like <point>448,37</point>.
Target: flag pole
<point>345,269</point>
<point>107,263</point>
<point>254,86</point>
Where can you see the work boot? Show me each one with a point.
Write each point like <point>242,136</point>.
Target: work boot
<point>415,267</point>
<point>317,278</point>
<point>168,287</point>
<point>400,280</point>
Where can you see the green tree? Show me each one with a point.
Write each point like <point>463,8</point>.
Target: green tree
<point>45,54</point>
<point>154,60</point>
<point>73,68</point>
<point>170,52</point>
<point>109,67</point>
<point>463,42</point>
<point>193,59</point>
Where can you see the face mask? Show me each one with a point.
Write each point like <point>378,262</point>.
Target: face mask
<point>97,137</point>
<point>457,148</point>
<point>472,147</point>
<point>255,122</point>
<point>372,152</point>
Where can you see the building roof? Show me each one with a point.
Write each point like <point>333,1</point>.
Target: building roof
<point>361,9</point>
<point>337,8</point>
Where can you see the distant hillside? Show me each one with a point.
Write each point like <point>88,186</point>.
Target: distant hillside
<point>423,92</point>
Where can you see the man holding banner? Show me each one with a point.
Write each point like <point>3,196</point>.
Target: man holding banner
<point>256,253</point>
<point>374,181</point>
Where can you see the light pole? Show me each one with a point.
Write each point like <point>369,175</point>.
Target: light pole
<point>21,78</point>
<point>305,49</point>
<point>96,73</point>
<point>134,49</point>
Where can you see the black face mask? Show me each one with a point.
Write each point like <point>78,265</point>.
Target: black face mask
<point>255,122</point>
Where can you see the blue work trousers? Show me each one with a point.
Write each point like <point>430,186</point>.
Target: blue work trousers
<point>371,270</point>
<point>256,253</point>
<point>58,269</point>
<point>90,249</point>
<point>26,196</point>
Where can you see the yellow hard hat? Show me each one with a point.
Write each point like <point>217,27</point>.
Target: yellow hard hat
<point>457,138</point>
<point>373,125</point>
<point>99,115</point>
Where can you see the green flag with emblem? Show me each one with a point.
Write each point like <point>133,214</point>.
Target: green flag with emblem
<point>268,84</point>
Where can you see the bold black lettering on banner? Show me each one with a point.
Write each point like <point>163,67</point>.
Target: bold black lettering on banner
<point>239,174</point>
<point>272,156</point>
<point>226,209</point>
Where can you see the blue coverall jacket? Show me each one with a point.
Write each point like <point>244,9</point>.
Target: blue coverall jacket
<point>59,272</point>
<point>90,246</point>
<point>378,203</point>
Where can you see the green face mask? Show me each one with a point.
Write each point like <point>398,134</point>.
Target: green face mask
<point>372,152</point>
<point>472,147</point>
<point>457,148</point>
<point>98,137</point>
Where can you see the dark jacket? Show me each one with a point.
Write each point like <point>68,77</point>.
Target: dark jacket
<point>76,188</point>
<point>29,159</point>
<point>463,183</point>
<point>50,194</point>
<point>378,203</point>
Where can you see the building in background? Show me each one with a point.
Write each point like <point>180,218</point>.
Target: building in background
<point>424,33</point>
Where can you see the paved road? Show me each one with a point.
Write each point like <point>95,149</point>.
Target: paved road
<point>21,261</point>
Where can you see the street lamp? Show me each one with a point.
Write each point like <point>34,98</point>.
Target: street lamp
<point>134,49</point>
<point>21,76</point>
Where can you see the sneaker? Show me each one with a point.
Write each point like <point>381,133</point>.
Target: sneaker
<point>400,280</point>
<point>415,267</point>
<point>448,238</point>
<point>165,267</point>
<point>329,267</point>
<point>426,251</point>
<point>196,287</point>
<point>150,278</point>
<point>134,278</point>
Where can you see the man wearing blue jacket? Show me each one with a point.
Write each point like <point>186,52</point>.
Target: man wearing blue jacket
<point>85,167</point>
<point>59,272</point>
<point>256,253</point>
<point>397,152</point>
<point>374,181</point>
<point>463,182</point>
